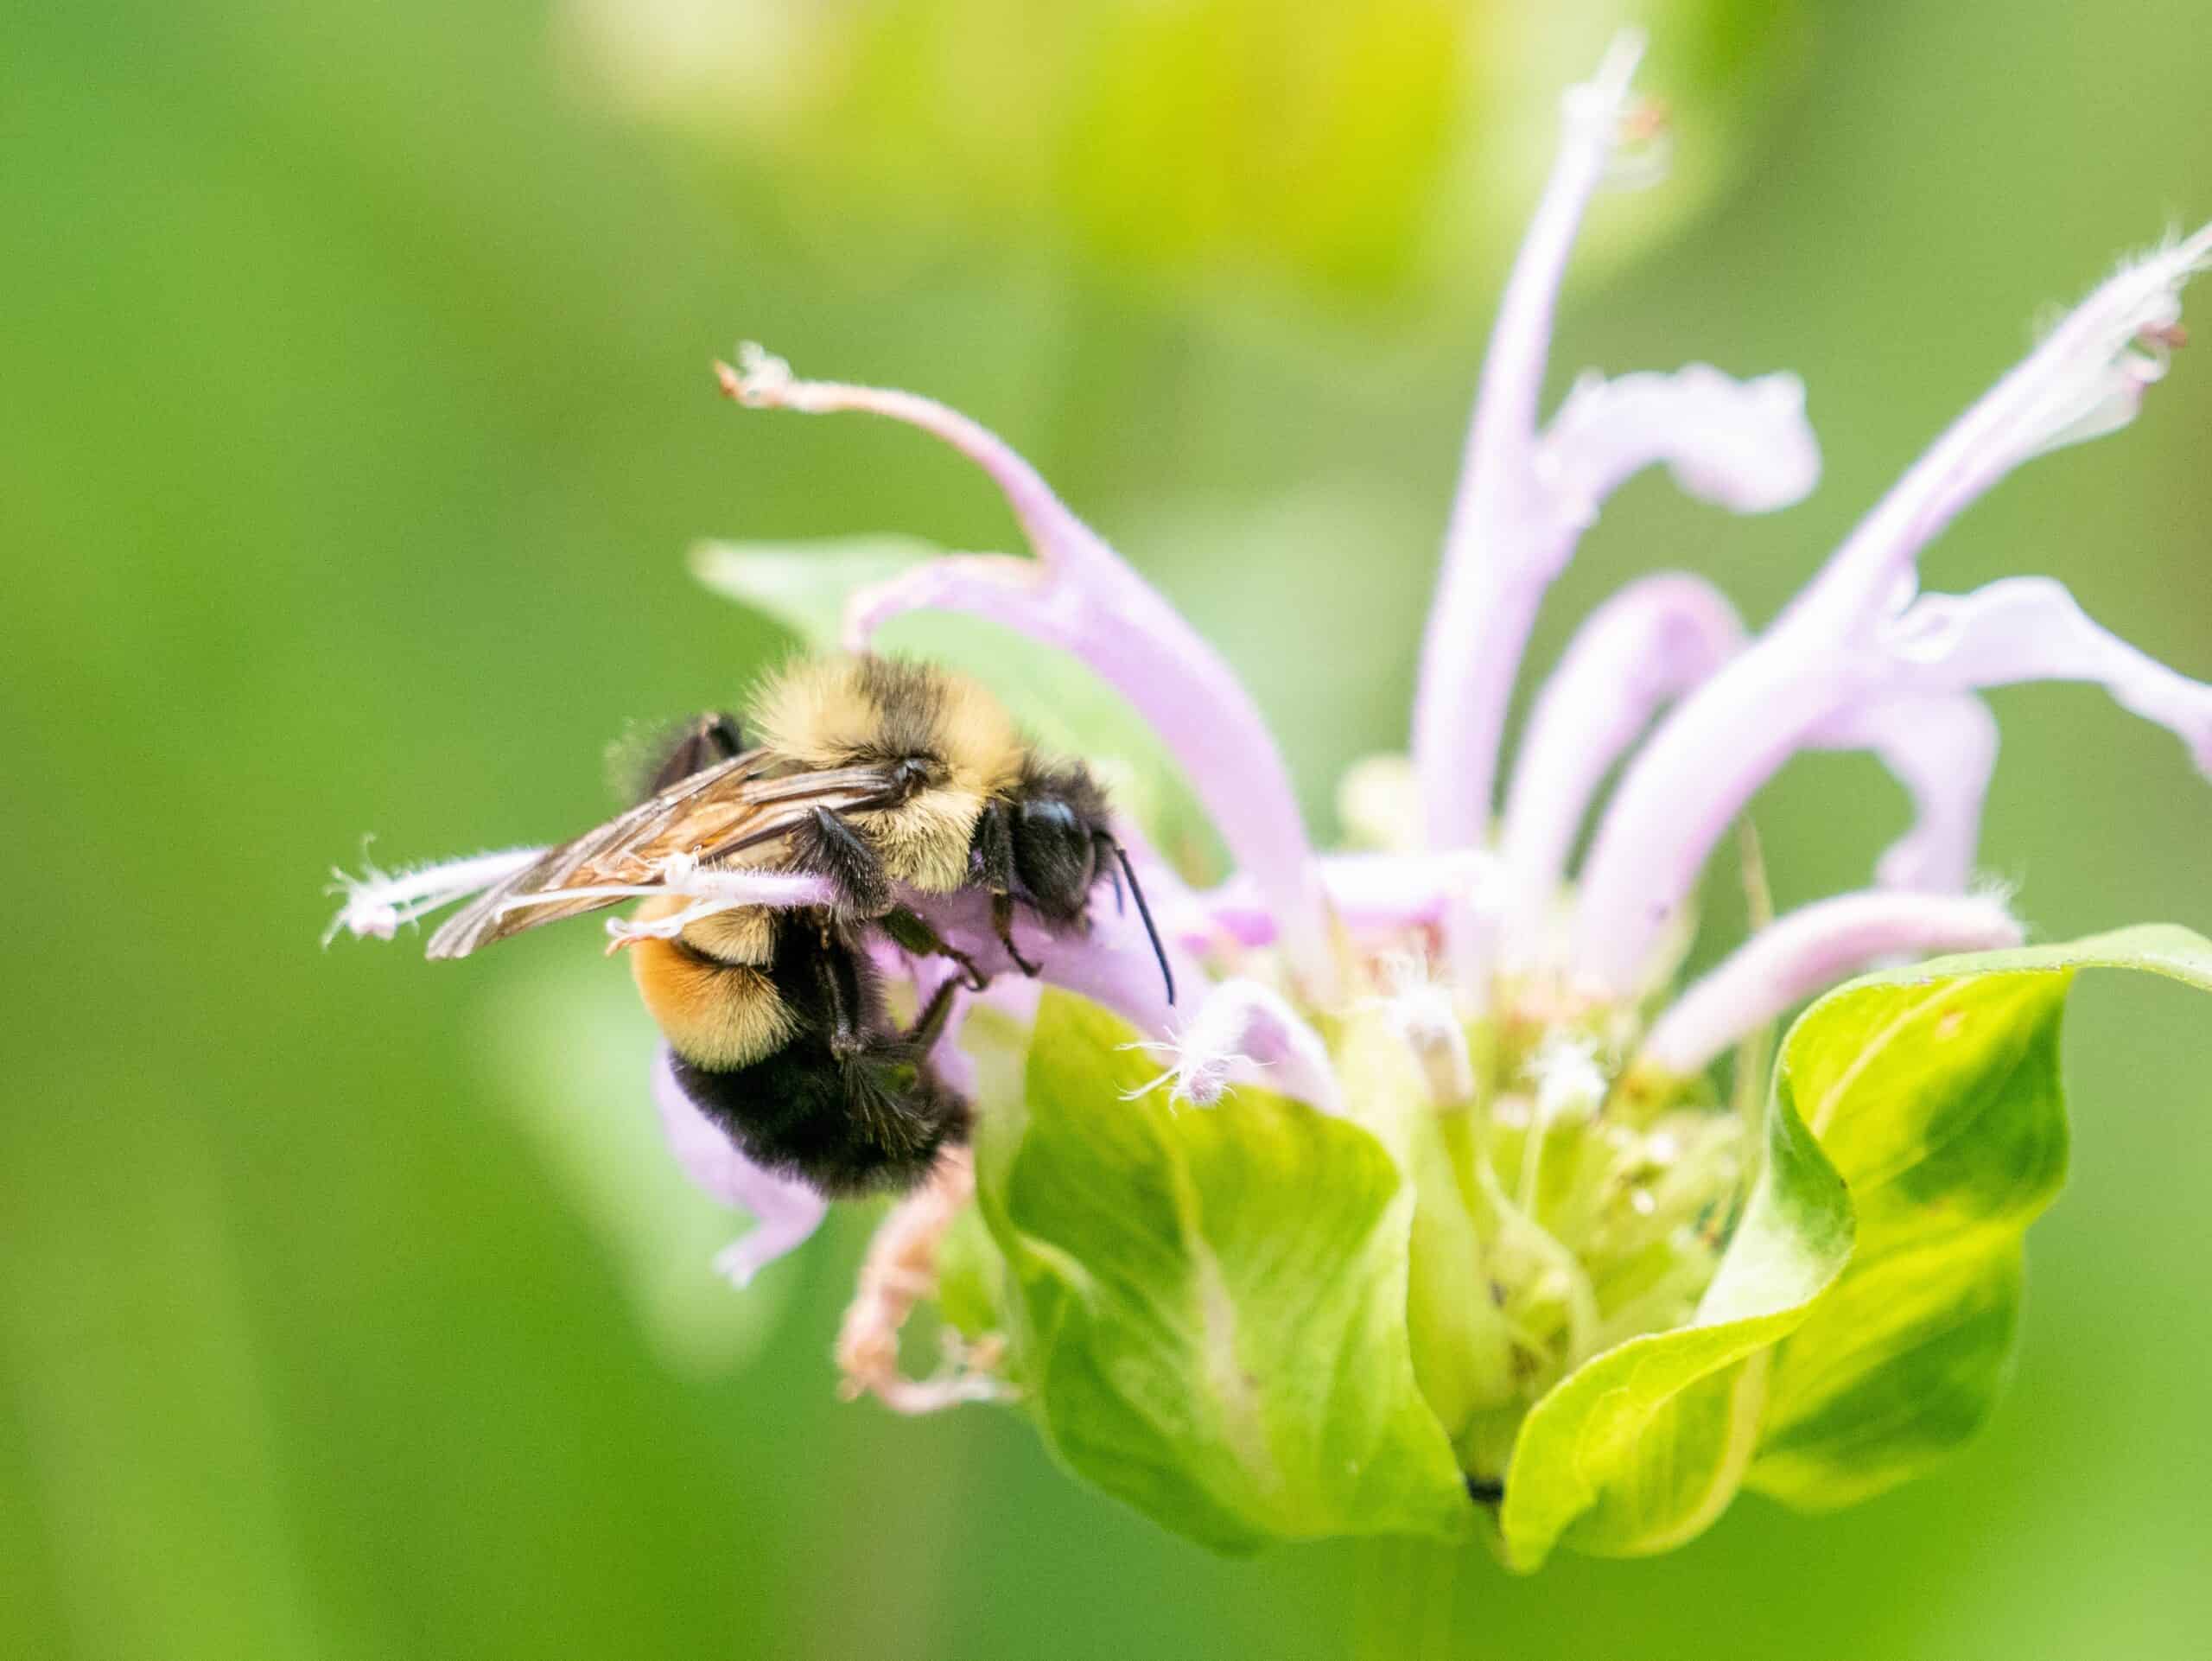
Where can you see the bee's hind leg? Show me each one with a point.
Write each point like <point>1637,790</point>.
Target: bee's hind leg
<point>837,983</point>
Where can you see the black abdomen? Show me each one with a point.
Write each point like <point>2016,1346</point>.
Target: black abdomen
<point>867,1123</point>
<point>847,1105</point>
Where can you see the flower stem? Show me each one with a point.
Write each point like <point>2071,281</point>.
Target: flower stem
<point>1403,1596</point>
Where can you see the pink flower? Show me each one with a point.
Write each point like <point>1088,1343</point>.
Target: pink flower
<point>1493,920</point>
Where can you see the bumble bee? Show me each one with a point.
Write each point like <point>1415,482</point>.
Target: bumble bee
<point>870,772</point>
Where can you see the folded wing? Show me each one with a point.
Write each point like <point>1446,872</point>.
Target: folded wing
<point>737,813</point>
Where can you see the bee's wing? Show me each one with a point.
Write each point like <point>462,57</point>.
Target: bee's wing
<point>706,817</point>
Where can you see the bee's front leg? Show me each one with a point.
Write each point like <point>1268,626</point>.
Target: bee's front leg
<point>994,855</point>
<point>829,846</point>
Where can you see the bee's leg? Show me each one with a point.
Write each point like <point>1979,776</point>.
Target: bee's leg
<point>909,931</point>
<point>1002,920</point>
<point>929,1025</point>
<point>994,854</point>
<point>837,983</point>
<point>830,848</point>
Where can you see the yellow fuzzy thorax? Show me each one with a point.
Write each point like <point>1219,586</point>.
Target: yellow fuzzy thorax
<point>835,712</point>
<point>923,841</point>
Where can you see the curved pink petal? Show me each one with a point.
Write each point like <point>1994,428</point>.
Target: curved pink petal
<point>1808,951</point>
<point>1942,750</point>
<point>1657,637</point>
<point>1744,445</point>
<point>1506,540</point>
<point>785,1211</point>
<point>1367,891</point>
<point>1855,638</point>
<point>1524,499</point>
<point>1080,595</point>
<point>1110,962</point>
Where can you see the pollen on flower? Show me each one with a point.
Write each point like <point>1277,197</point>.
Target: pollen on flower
<point>1642,152</point>
<point>1567,1076</point>
<point>1244,1031</point>
<point>1422,1011</point>
<point>1193,1073</point>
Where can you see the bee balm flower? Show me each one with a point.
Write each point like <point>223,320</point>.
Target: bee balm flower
<point>1420,1213</point>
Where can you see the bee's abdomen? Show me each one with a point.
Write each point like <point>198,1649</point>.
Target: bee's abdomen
<point>714,1015</point>
<point>869,1123</point>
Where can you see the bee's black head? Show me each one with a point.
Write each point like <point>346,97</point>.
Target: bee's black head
<point>1062,844</point>
<point>1058,822</point>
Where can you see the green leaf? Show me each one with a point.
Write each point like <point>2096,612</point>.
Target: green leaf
<point>1209,1306</point>
<point>1064,707</point>
<point>1937,1092</point>
<point>1642,1446</point>
<point>1820,1370</point>
<point>802,585</point>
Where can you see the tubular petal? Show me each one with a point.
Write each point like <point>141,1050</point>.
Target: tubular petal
<point>1707,761</point>
<point>1110,962</point>
<point>1808,951</point>
<point>2084,379</point>
<point>1080,595</point>
<point>1506,540</point>
<point>1649,642</point>
<point>785,1211</point>
<point>1681,793</point>
<point>1742,445</point>
<point>1854,636</point>
<point>1367,891</point>
<point>1523,500</point>
<point>1942,751</point>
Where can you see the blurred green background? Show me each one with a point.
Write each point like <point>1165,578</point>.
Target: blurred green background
<point>353,419</point>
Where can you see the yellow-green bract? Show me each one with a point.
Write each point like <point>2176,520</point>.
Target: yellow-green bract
<point>1209,1306</point>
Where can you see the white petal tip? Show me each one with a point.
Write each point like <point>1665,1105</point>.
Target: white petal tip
<point>760,378</point>
<point>738,1264</point>
<point>364,921</point>
<point>1623,54</point>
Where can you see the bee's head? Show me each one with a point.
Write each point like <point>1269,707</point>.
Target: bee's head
<point>1059,834</point>
<point>1062,844</point>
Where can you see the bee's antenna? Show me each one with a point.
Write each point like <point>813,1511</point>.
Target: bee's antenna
<point>1144,911</point>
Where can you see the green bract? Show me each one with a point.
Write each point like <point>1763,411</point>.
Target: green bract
<point>1209,1306</point>
<point>1208,1309</point>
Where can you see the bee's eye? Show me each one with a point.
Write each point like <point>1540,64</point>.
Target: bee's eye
<point>1053,854</point>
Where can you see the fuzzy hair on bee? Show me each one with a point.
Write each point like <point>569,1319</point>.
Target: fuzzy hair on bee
<point>952,742</point>
<point>875,775</point>
<point>777,1033</point>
